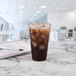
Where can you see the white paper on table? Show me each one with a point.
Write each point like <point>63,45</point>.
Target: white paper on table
<point>14,45</point>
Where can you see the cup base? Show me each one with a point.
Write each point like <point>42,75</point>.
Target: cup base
<point>39,59</point>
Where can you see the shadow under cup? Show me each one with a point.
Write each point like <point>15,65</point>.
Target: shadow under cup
<point>39,36</point>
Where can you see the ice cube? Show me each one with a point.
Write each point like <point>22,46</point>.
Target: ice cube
<point>46,42</point>
<point>41,46</point>
<point>40,40</point>
<point>33,37</point>
<point>34,44</point>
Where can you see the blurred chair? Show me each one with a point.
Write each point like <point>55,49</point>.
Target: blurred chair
<point>70,33</point>
<point>75,29</point>
<point>24,34</point>
<point>61,35</point>
<point>74,34</point>
<point>63,28</point>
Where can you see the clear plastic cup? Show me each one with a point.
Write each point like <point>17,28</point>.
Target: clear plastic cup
<point>39,36</point>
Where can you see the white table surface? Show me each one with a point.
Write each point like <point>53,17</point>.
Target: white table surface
<point>61,61</point>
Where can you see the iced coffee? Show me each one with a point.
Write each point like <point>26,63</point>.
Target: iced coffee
<point>39,35</point>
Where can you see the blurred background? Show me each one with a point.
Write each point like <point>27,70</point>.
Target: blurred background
<point>15,15</point>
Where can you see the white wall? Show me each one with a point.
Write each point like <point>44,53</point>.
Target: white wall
<point>58,19</point>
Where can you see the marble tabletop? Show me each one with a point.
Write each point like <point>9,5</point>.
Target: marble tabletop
<point>61,61</point>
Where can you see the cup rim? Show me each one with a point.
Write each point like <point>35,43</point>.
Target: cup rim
<point>39,22</point>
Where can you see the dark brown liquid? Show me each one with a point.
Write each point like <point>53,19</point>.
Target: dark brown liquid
<point>39,54</point>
